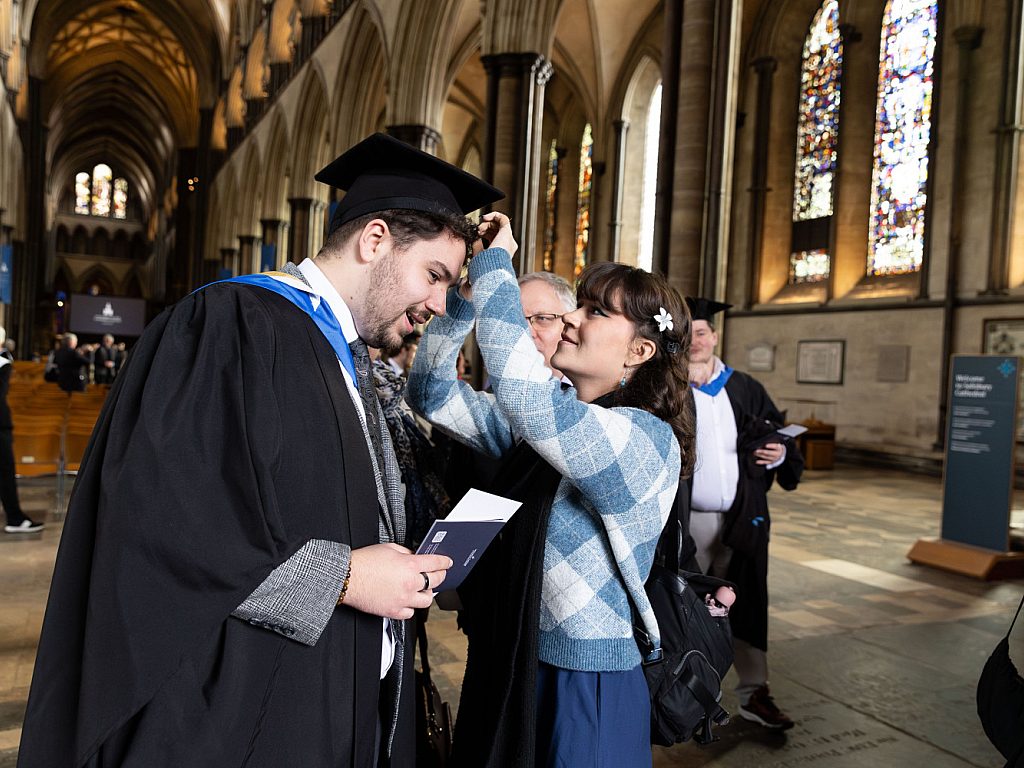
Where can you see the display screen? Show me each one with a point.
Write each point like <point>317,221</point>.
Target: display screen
<point>115,315</point>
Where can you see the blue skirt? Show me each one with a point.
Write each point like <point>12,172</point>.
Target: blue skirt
<point>592,719</point>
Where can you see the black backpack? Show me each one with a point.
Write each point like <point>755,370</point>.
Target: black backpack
<point>685,673</point>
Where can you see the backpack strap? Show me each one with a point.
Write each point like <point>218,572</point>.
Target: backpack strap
<point>1015,616</point>
<point>713,712</point>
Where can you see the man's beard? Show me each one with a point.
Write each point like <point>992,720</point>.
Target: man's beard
<point>380,328</point>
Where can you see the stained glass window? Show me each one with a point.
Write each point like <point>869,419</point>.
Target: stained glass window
<point>902,134</point>
<point>101,190</point>
<point>817,143</point>
<point>82,193</point>
<point>99,194</point>
<point>551,208</point>
<point>120,198</point>
<point>818,121</point>
<point>645,250</point>
<point>808,266</point>
<point>583,201</point>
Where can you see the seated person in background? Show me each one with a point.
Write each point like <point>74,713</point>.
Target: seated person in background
<point>553,674</point>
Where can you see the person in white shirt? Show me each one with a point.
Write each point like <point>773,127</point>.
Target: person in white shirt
<point>737,462</point>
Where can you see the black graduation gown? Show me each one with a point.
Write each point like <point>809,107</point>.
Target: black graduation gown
<point>227,442</point>
<point>496,727</point>
<point>756,415</point>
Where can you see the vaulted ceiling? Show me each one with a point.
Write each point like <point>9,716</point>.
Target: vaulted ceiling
<point>123,82</point>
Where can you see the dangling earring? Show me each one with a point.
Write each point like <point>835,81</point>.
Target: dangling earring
<point>622,382</point>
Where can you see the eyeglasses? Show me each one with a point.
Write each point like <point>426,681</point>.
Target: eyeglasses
<point>543,320</point>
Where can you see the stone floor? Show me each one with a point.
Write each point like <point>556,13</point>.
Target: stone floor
<point>875,658</point>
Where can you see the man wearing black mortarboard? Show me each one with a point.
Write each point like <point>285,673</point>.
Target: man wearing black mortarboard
<point>231,587</point>
<point>738,459</point>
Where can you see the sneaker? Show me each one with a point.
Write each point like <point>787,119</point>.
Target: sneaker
<point>761,709</point>
<point>25,526</point>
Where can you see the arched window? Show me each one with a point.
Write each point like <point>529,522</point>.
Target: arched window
<point>652,134</point>
<point>101,175</point>
<point>817,146</point>
<point>120,198</point>
<point>551,209</point>
<point>586,185</point>
<point>82,193</point>
<point>99,194</point>
<point>902,135</point>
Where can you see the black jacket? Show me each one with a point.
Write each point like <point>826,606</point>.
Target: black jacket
<point>227,442</point>
<point>72,369</point>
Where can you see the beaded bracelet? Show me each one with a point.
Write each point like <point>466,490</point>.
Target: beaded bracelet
<point>344,583</point>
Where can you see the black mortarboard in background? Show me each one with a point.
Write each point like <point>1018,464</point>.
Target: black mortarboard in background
<point>381,172</point>
<point>705,309</point>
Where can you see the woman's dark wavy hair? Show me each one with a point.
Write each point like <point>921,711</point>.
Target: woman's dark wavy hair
<point>661,385</point>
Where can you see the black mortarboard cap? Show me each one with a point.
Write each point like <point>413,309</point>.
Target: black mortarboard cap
<point>381,173</point>
<point>705,309</point>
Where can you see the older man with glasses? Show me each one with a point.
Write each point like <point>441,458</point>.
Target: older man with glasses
<point>546,297</point>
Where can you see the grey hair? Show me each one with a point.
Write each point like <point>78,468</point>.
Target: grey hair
<point>559,285</point>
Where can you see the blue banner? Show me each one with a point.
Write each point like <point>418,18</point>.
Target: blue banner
<point>6,267</point>
<point>268,258</point>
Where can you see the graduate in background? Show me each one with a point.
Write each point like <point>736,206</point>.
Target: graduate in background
<point>737,462</point>
<point>231,586</point>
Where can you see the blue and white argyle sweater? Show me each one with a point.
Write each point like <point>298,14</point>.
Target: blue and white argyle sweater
<point>619,466</point>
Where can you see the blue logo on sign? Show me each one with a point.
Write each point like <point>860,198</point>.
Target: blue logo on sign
<point>1007,368</point>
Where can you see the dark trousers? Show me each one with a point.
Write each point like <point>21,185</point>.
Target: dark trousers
<point>8,485</point>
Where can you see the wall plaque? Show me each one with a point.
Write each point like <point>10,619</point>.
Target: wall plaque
<point>820,362</point>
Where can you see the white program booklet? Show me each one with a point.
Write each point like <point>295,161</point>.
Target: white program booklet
<point>467,531</point>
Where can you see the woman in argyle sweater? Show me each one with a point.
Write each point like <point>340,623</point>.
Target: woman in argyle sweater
<point>553,675</point>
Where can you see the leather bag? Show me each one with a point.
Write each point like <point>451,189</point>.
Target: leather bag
<point>433,714</point>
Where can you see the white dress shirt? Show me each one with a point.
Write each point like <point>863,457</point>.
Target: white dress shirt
<point>322,286</point>
<point>718,469</point>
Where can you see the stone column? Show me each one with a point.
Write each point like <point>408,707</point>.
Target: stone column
<point>28,274</point>
<point>849,35</point>
<point>694,162</point>
<point>275,234</point>
<point>765,71</point>
<point>618,172</point>
<point>248,254</point>
<point>1008,154</point>
<point>515,91</point>
<point>672,53</point>
<point>967,38</point>
<point>299,229</point>
<point>420,136</point>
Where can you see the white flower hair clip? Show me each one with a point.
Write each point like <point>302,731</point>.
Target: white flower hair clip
<point>664,320</point>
